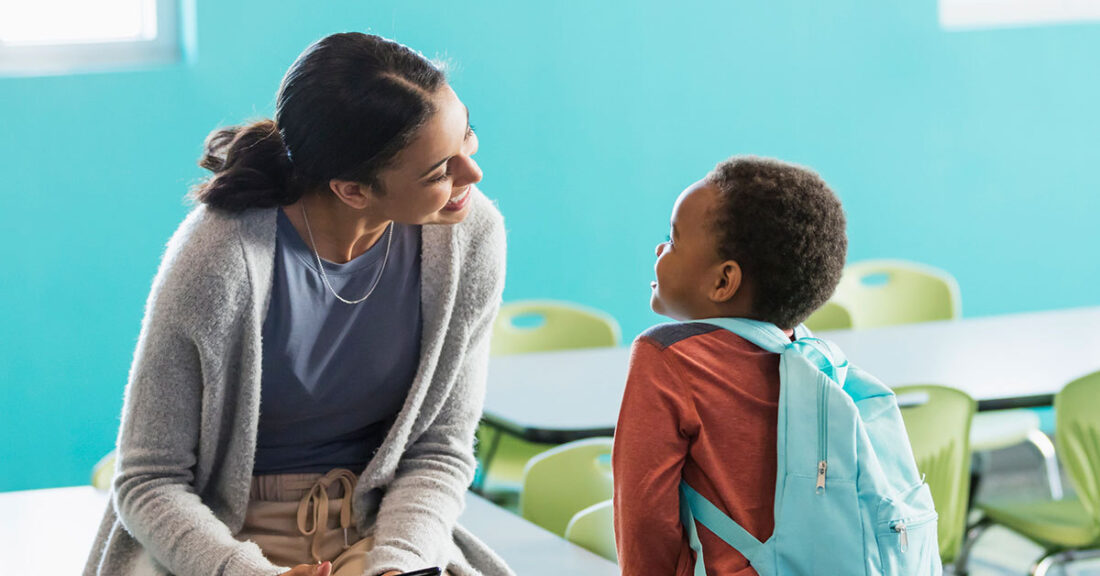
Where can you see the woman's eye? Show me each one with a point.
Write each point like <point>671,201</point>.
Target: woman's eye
<point>442,176</point>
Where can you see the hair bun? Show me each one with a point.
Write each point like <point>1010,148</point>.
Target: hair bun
<point>251,168</point>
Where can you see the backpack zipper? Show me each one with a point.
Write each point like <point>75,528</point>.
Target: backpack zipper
<point>823,429</point>
<point>902,528</point>
<point>903,536</point>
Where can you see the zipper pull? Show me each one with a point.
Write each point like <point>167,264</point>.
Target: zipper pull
<point>903,536</point>
<point>821,467</point>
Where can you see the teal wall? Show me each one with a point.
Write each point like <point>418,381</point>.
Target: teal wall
<point>973,151</point>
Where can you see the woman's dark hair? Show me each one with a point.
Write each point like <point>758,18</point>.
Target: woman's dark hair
<point>785,228</point>
<point>345,108</point>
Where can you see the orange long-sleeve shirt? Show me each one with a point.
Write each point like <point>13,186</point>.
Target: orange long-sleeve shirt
<point>701,404</point>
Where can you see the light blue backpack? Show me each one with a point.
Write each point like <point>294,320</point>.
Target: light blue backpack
<point>848,499</point>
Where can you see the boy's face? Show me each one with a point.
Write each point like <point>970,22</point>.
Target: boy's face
<point>685,262</point>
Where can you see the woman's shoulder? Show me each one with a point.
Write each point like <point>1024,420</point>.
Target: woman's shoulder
<point>481,234</point>
<point>484,220</point>
<point>473,249</point>
<point>206,256</point>
<point>477,241</point>
<point>213,242</point>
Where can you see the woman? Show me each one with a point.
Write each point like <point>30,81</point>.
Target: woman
<point>312,361</point>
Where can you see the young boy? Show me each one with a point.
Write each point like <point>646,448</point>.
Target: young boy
<point>756,238</point>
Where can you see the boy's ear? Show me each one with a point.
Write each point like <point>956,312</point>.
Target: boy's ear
<point>354,194</point>
<point>727,282</point>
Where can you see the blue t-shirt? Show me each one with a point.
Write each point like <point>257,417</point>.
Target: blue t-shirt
<point>335,375</point>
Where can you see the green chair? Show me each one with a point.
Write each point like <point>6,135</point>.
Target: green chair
<point>1066,529</point>
<point>831,316</point>
<point>565,480</point>
<point>543,325</point>
<point>891,292</point>
<point>1005,428</point>
<point>939,432</point>
<point>879,293</point>
<point>594,529</point>
<point>104,472</point>
<point>525,327</point>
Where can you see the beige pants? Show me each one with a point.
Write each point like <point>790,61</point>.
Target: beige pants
<point>306,519</point>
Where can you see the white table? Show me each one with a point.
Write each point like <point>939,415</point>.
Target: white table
<point>51,532</point>
<point>1001,361</point>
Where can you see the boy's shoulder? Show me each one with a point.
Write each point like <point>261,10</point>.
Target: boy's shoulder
<point>670,333</point>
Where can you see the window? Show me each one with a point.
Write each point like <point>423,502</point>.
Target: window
<point>961,14</point>
<point>60,36</point>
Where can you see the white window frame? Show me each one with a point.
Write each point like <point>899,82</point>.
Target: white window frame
<point>68,58</point>
<point>971,14</point>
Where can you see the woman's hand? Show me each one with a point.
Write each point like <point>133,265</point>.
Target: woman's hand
<point>322,569</point>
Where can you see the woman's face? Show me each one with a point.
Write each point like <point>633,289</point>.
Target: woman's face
<point>430,181</point>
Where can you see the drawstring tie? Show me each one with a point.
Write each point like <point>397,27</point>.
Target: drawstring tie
<point>318,499</point>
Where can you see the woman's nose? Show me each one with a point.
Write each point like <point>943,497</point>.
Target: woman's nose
<point>469,174</point>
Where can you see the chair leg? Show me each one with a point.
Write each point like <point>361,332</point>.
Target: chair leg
<point>971,538</point>
<point>479,482</point>
<point>977,473</point>
<point>1046,448</point>
<point>1046,562</point>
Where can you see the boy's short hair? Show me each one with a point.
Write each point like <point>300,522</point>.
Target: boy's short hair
<point>785,228</point>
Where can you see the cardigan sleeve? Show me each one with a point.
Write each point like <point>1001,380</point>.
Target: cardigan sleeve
<point>421,506</point>
<point>153,490</point>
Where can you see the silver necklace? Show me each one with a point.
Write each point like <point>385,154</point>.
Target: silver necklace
<point>321,266</point>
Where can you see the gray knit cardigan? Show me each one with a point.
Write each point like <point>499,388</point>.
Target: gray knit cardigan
<point>188,436</point>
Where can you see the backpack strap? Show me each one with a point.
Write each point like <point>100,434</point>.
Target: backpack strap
<point>687,520</point>
<point>764,334</point>
<point>826,357</point>
<point>694,506</point>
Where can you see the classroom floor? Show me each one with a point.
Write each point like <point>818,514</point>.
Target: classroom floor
<point>1015,473</point>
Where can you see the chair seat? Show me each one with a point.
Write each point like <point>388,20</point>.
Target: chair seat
<point>1051,523</point>
<point>996,430</point>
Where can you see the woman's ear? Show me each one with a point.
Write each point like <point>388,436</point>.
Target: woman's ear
<point>354,194</point>
<point>726,283</point>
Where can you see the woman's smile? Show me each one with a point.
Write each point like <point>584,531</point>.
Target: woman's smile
<point>459,202</point>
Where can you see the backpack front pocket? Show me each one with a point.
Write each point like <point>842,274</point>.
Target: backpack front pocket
<point>907,534</point>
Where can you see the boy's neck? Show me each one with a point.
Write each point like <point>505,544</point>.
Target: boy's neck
<point>734,310</point>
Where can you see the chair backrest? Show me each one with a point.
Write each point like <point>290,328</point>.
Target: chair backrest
<point>890,292</point>
<point>1077,434</point>
<point>565,480</point>
<point>831,316</point>
<point>544,325</point>
<point>594,529</point>
<point>103,473</point>
<point>939,431</point>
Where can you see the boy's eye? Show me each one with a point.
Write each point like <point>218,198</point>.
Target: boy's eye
<point>668,238</point>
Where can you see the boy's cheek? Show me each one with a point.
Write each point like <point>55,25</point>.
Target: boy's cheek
<point>659,306</point>
<point>655,303</point>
